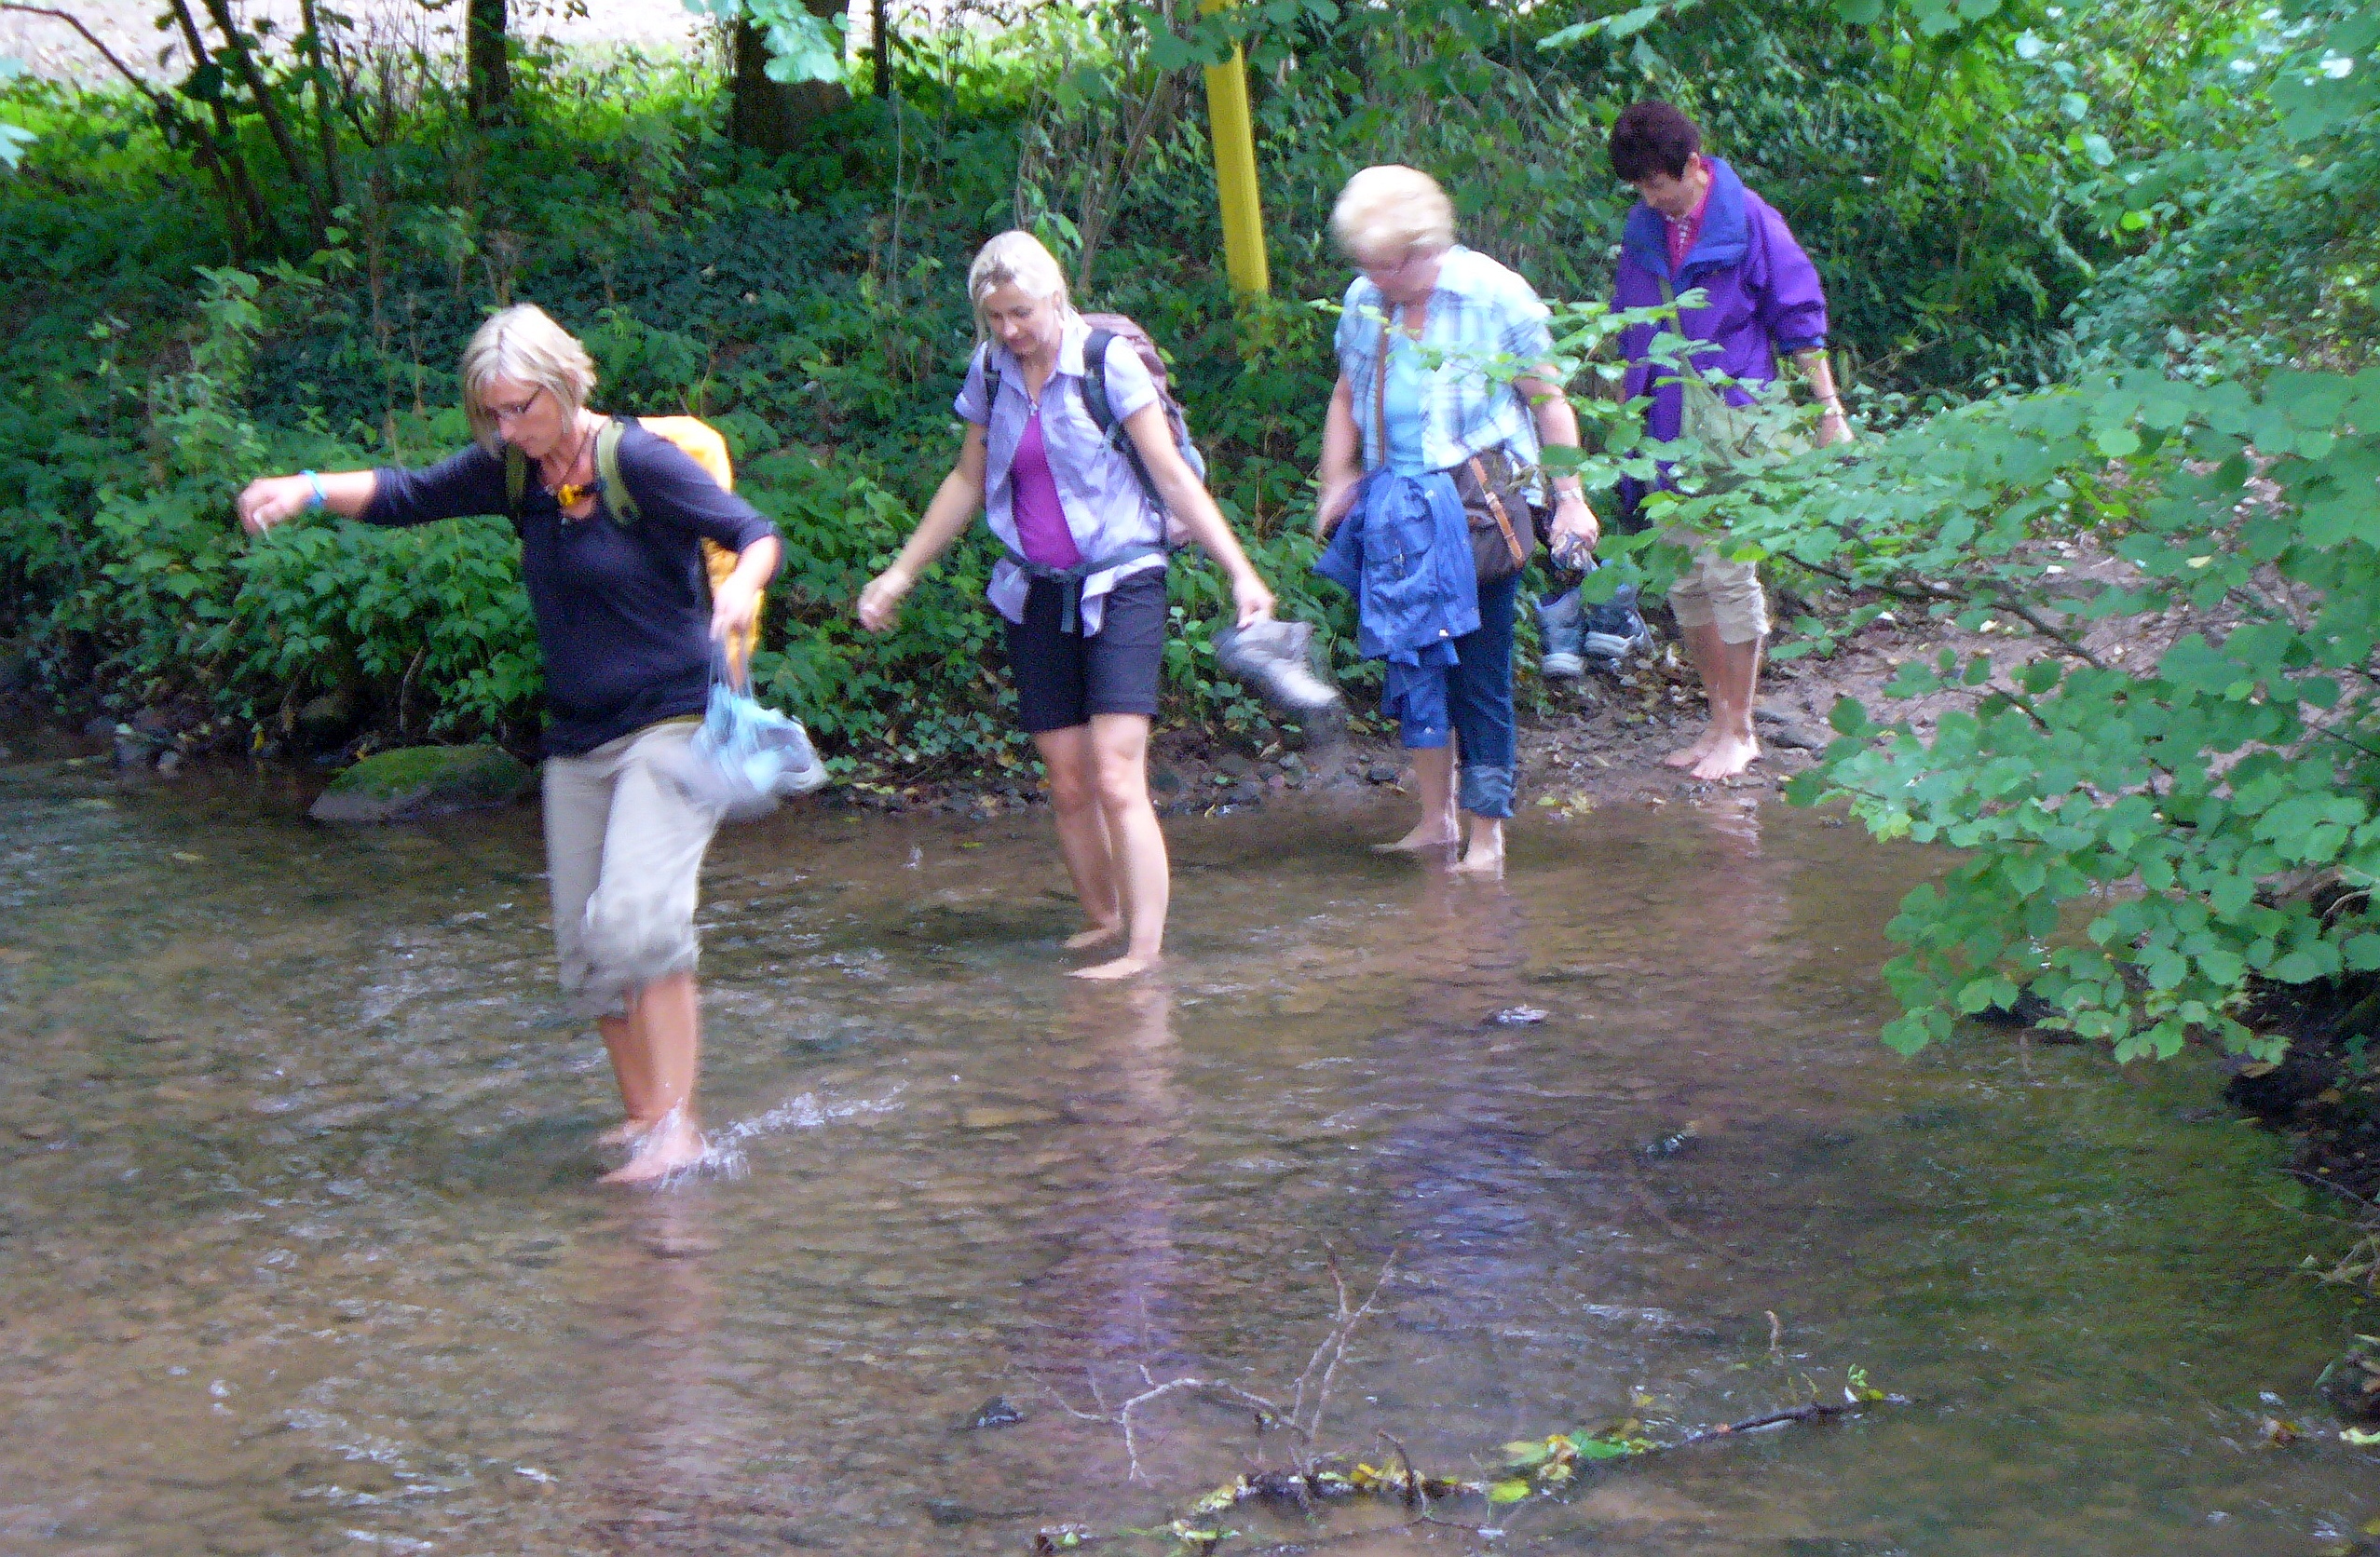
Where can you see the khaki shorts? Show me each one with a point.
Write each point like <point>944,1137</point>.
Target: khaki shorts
<point>624,858</point>
<point>1715,592</point>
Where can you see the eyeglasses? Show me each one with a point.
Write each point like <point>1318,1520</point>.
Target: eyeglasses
<point>515,412</point>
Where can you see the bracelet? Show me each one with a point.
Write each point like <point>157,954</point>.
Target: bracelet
<point>320,498</point>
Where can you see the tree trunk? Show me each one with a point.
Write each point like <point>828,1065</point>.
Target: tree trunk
<point>489,89</point>
<point>880,42</point>
<point>768,116</point>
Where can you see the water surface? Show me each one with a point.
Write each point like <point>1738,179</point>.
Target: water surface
<point>300,1250</point>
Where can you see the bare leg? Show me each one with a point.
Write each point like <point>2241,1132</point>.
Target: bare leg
<point>1434,776</point>
<point>1119,743</point>
<point>1731,676</point>
<point>1704,648</point>
<point>1485,854</point>
<point>630,1065</point>
<point>665,1034</point>
<point>1082,831</point>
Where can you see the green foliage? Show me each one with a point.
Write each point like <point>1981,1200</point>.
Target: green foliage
<point>2164,792</point>
<point>801,47</point>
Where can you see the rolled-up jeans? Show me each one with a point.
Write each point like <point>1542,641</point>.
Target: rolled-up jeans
<point>624,859</point>
<point>1473,697</point>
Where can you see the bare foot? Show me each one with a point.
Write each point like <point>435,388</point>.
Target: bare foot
<point>625,1131</point>
<point>1438,833</point>
<point>1688,756</point>
<point>1728,756</point>
<point>1485,857</point>
<point>1094,935</point>
<point>1121,967</point>
<point>672,1142</point>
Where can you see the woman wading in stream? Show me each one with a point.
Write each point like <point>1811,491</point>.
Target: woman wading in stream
<point>1083,588</point>
<point>627,627</point>
<point>1423,445</point>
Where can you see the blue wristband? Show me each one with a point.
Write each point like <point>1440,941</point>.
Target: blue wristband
<point>321,499</point>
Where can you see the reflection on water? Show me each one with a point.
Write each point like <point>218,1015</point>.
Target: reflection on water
<point>300,1250</point>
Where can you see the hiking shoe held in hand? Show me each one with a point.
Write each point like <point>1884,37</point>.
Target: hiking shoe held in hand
<point>1560,624</point>
<point>1271,659</point>
<point>1615,629</point>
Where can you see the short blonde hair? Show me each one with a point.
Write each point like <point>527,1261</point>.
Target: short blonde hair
<point>523,344</point>
<point>1393,209</point>
<point>1015,259</point>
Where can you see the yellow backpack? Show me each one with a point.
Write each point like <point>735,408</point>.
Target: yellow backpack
<point>703,445</point>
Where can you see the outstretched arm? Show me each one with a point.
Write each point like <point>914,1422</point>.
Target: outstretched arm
<point>954,506</point>
<point>1152,435</point>
<point>270,499</point>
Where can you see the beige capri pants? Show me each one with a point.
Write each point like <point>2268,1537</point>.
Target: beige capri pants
<point>624,859</point>
<point>1715,592</point>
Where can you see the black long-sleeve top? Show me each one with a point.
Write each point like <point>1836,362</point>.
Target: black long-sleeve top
<point>623,613</point>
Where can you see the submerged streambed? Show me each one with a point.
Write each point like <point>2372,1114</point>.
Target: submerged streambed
<point>300,1250</point>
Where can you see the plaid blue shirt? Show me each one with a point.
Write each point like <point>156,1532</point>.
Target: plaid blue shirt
<point>1481,313</point>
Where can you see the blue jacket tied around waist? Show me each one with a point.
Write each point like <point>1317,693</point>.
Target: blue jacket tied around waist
<point>1404,553</point>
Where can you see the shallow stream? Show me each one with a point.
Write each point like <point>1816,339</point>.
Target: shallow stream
<point>300,1250</point>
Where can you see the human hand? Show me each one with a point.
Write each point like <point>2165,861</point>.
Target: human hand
<point>1575,529</point>
<point>734,603</point>
<point>1833,427</point>
<point>880,602</point>
<point>268,500</point>
<point>1255,603</point>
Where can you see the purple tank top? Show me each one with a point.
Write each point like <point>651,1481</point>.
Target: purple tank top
<point>1033,494</point>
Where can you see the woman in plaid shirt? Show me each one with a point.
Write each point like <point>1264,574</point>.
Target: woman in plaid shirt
<point>1452,317</point>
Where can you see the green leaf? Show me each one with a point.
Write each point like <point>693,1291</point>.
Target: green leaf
<point>1510,1491</point>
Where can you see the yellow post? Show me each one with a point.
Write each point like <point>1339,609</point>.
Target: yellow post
<point>1234,136</point>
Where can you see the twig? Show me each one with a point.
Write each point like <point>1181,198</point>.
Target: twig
<point>1416,1495</point>
<point>1817,1411</point>
<point>1123,1418</point>
<point>1344,1332</point>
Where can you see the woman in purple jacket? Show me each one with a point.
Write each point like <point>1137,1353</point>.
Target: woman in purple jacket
<point>1697,227</point>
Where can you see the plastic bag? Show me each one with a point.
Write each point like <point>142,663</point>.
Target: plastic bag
<point>746,757</point>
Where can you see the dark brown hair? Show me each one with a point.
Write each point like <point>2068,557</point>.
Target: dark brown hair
<point>1651,137</point>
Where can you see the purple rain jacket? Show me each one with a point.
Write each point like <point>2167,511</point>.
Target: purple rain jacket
<point>1764,296</point>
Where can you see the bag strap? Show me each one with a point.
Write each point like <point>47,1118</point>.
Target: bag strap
<point>516,480</point>
<point>612,488</point>
<point>1102,412</point>
<point>1496,506</point>
<point>991,381</point>
<point>1095,382</point>
<point>1379,393</point>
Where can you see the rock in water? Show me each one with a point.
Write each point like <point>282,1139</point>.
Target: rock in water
<point>994,1413</point>
<point>417,782</point>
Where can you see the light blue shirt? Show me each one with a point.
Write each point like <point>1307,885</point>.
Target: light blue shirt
<point>1407,416</point>
<point>1106,507</point>
<point>1480,315</point>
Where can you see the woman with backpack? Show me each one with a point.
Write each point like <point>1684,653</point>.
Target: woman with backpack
<point>1081,508</point>
<point>627,628</point>
<point>1425,454</point>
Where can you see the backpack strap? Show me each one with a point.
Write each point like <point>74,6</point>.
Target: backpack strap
<point>991,381</point>
<point>1094,384</point>
<point>516,480</point>
<point>1102,412</point>
<point>611,488</point>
